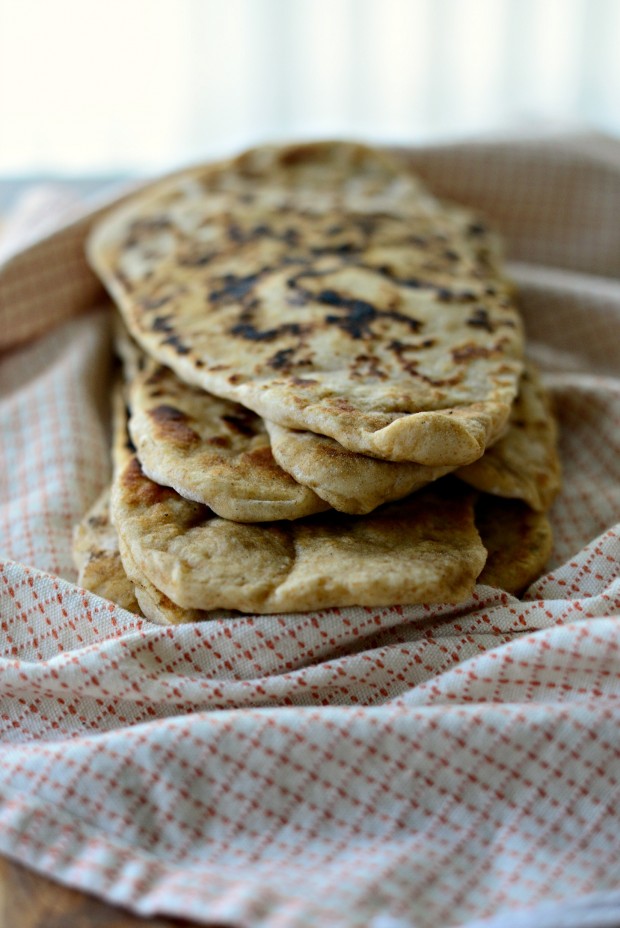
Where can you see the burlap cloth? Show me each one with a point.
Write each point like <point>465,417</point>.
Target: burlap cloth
<point>376,768</point>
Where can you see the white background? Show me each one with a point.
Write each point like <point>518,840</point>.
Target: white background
<point>142,85</point>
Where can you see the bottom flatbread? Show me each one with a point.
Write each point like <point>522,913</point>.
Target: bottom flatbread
<point>97,558</point>
<point>518,540</point>
<point>154,604</point>
<point>107,572</point>
<point>423,549</point>
<point>524,464</point>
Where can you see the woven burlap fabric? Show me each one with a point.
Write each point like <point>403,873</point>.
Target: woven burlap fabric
<point>390,768</point>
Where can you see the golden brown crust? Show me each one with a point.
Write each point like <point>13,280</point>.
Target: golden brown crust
<point>518,541</point>
<point>524,463</point>
<point>348,481</point>
<point>97,557</point>
<point>154,604</point>
<point>210,450</point>
<point>425,549</point>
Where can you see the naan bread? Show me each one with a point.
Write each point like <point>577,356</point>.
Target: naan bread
<point>107,569</point>
<point>208,449</point>
<point>524,463</point>
<point>97,558</point>
<point>425,549</point>
<point>153,603</point>
<point>323,288</point>
<point>350,482</point>
<point>518,541</point>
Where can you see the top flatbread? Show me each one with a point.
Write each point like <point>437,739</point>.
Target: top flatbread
<point>323,288</point>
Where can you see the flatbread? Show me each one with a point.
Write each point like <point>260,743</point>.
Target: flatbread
<point>97,558</point>
<point>208,449</point>
<point>107,569</point>
<point>518,541</point>
<point>350,482</point>
<point>425,549</point>
<point>154,604</point>
<point>322,287</point>
<point>524,463</point>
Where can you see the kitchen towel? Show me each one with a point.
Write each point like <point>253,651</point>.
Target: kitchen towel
<point>403,767</point>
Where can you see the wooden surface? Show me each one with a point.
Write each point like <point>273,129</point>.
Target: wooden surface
<point>28,900</point>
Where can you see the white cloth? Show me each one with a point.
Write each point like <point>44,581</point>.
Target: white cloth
<point>394,768</point>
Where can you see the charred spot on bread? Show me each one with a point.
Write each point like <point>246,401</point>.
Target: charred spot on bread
<point>173,423</point>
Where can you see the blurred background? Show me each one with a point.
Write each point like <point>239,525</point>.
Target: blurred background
<point>93,91</point>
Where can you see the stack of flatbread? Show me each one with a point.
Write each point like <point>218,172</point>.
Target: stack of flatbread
<point>324,398</point>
